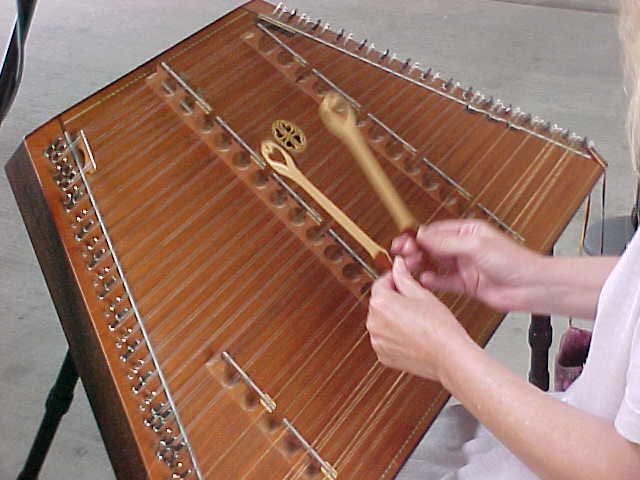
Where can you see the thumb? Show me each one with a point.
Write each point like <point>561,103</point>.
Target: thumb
<point>405,283</point>
<point>448,244</point>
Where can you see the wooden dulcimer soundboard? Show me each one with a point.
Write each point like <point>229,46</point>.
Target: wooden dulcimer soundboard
<point>214,307</point>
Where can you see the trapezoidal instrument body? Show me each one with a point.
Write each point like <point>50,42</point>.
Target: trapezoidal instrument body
<point>214,309</point>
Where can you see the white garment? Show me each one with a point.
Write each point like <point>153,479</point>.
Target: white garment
<point>609,387</point>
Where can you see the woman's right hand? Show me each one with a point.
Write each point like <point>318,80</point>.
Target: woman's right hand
<point>474,258</point>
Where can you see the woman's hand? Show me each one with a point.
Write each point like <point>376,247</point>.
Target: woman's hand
<point>410,329</point>
<point>476,259</point>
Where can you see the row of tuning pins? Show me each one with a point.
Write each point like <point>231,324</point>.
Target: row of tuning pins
<point>475,99</point>
<point>408,66</point>
<point>66,175</point>
<point>159,416</point>
<point>170,444</point>
<point>68,179</point>
<point>119,311</point>
<point>282,12</point>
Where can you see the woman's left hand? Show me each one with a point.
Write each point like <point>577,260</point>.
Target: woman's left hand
<point>410,329</point>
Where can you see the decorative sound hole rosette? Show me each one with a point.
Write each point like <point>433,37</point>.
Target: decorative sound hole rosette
<point>289,135</point>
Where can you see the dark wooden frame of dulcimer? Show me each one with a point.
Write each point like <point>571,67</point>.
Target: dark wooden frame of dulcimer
<point>214,307</point>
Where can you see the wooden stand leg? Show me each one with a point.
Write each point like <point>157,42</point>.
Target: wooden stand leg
<point>540,338</point>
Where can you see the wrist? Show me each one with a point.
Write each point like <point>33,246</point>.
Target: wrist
<point>455,356</point>
<point>535,282</point>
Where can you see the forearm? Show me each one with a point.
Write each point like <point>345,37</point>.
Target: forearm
<point>555,440</point>
<point>568,286</point>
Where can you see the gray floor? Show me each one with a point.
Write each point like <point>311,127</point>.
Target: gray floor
<point>558,63</point>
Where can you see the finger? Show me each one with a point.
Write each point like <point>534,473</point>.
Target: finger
<point>410,247</point>
<point>403,280</point>
<point>398,243</point>
<point>448,283</point>
<point>382,285</point>
<point>454,225</point>
<point>449,244</point>
<point>415,262</point>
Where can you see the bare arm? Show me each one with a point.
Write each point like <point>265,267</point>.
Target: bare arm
<point>411,330</point>
<point>480,261</point>
<point>555,440</point>
<point>567,285</point>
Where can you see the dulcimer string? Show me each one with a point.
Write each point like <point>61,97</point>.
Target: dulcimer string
<point>149,265</point>
<point>247,231</point>
<point>251,362</point>
<point>535,200</point>
<point>132,110</point>
<point>367,387</point>
<point>426,132</point>
<point>332,426</point>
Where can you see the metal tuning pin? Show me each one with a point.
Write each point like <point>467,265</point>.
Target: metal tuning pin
<point>158,418</point>
<point>348,38</point>
<point>84,229</point>
<point>371,48</point>
<point>555,129</point>
<point>72,197</point>
<point>363,44</point>
<point>169,449</point>
<point>425,74</point>
<point>292,14</point>
<point>181,472</point>
<point>130,349</point>
<point>123,314</point>
<point>525,118</point>
<point>546,127</point>
<point>277,8</point>
<point>575,139</point>
<point>326,27</point>
<point>141,381</point>
<point>317,24</point>
<point>147,400</point>
<point>340,35</point>
<point>385,55</point>
<point>95,257</point>
<point>135,369</point>
<point>406,64</point>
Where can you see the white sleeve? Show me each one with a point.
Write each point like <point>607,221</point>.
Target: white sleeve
<point>627,420</point>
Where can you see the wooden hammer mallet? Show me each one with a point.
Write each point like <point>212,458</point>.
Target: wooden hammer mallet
<point>340,119</point>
